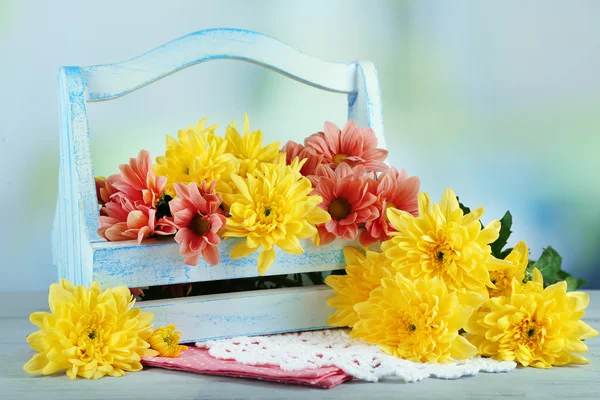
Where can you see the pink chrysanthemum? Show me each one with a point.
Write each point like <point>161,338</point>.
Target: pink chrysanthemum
<point>293,150</point>
<point>129,202</point>
<point>348,197</point>
<point>121,220</point>
<point>138,182</point>
<point>195,213</point>
<point>352,145</point>
<point>394,190</point>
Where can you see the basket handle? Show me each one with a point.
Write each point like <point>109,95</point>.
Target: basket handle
<point>357,79</point>
<point>80,85</point>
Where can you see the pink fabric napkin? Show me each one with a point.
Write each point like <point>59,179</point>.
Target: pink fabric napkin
<point>199,361</point>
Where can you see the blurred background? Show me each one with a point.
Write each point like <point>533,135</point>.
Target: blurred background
<point>499,100</point>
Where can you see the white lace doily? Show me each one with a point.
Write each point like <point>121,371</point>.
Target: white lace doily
<point>295,351</point>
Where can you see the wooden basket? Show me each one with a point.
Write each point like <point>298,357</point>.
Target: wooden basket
<point>82,256</point>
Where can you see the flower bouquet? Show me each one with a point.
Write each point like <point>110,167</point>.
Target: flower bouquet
<point>420,281</point>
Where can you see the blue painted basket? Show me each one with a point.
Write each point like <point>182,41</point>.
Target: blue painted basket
<point>82,256</point>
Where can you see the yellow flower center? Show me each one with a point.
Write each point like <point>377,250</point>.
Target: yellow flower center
<point>92,342</point>
<point>199,225</point>
<point>441,255</point>
<point>338,158</point>
<point>528,332</point>
<point>267,213</point>
<point>339,209</point>
<point>406,325</point>
<point>169,340</point>
<point>501,281</point>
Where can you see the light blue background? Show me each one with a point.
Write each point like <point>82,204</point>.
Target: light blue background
<point>499,100</point>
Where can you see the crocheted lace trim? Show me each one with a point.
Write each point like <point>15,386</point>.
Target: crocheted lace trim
<point>314,349</point>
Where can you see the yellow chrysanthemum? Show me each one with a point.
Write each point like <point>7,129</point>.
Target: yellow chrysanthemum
<point>443,242</point>
<point>165,340</point>
<point>248,148</point>
<point>534,326</point>
<point>89,333</point>
<point>418,320</point>
<point>198,155</point>
<point>363,274</point>
<point>272,207</point>
<point>502,278</point>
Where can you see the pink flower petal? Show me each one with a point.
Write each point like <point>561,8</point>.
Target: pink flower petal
<point>211,255</point>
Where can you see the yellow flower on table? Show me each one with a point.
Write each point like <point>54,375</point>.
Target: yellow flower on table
<point>442,242</point>
<point>89,333</point>
<point>534,326</point>
<point>197,155</point>
<point>272,207</point>
<point>418,320</point>
<point>165,340</point>
<point>248,148</point>
<point>363,274</point>
<point>518,259</point>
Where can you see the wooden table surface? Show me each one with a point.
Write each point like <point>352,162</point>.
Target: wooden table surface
<point>574,382</point>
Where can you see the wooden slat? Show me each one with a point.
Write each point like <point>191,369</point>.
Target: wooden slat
<point>159,263</point>
<point>246,313</point>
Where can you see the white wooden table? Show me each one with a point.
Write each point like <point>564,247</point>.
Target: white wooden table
<point>576,382</point>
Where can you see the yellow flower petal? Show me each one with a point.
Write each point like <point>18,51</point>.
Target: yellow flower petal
<point>363,274</point>
<point>416,320</point>
<point>273,208</point>
<point>265,260</point>
<point>291,245</point>
<point>165,341</point>
<point>442,242</point>
<point>531,325</point>
<point>461,349</point>
<point>89,333</point>
<point>241,250</point>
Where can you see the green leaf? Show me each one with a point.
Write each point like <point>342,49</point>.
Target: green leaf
<point>498,245</point>
<point>529,271</point>
<point>571,283</point>
<point>466,210</point>
<point>562,275</point>
<point>549,265</point>
<point>581,282</point>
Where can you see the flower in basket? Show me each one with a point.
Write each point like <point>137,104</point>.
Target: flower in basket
<point>394,190</point>
<point>198,220</point>
<point>89,333</point>
<point>442,242</point>
<point>138,182</point>
<point>197,155</point>
<point>272,208</point>
<point>122,220</point>
<point>104,189</point>
<point>418,321</point>
<point>348,196</point>
<point>534,326</point>
<point>352,144</point>
<point>363,274</point>
<point>295,150</point>
<point>130,199</point>
<point>248,148</point>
